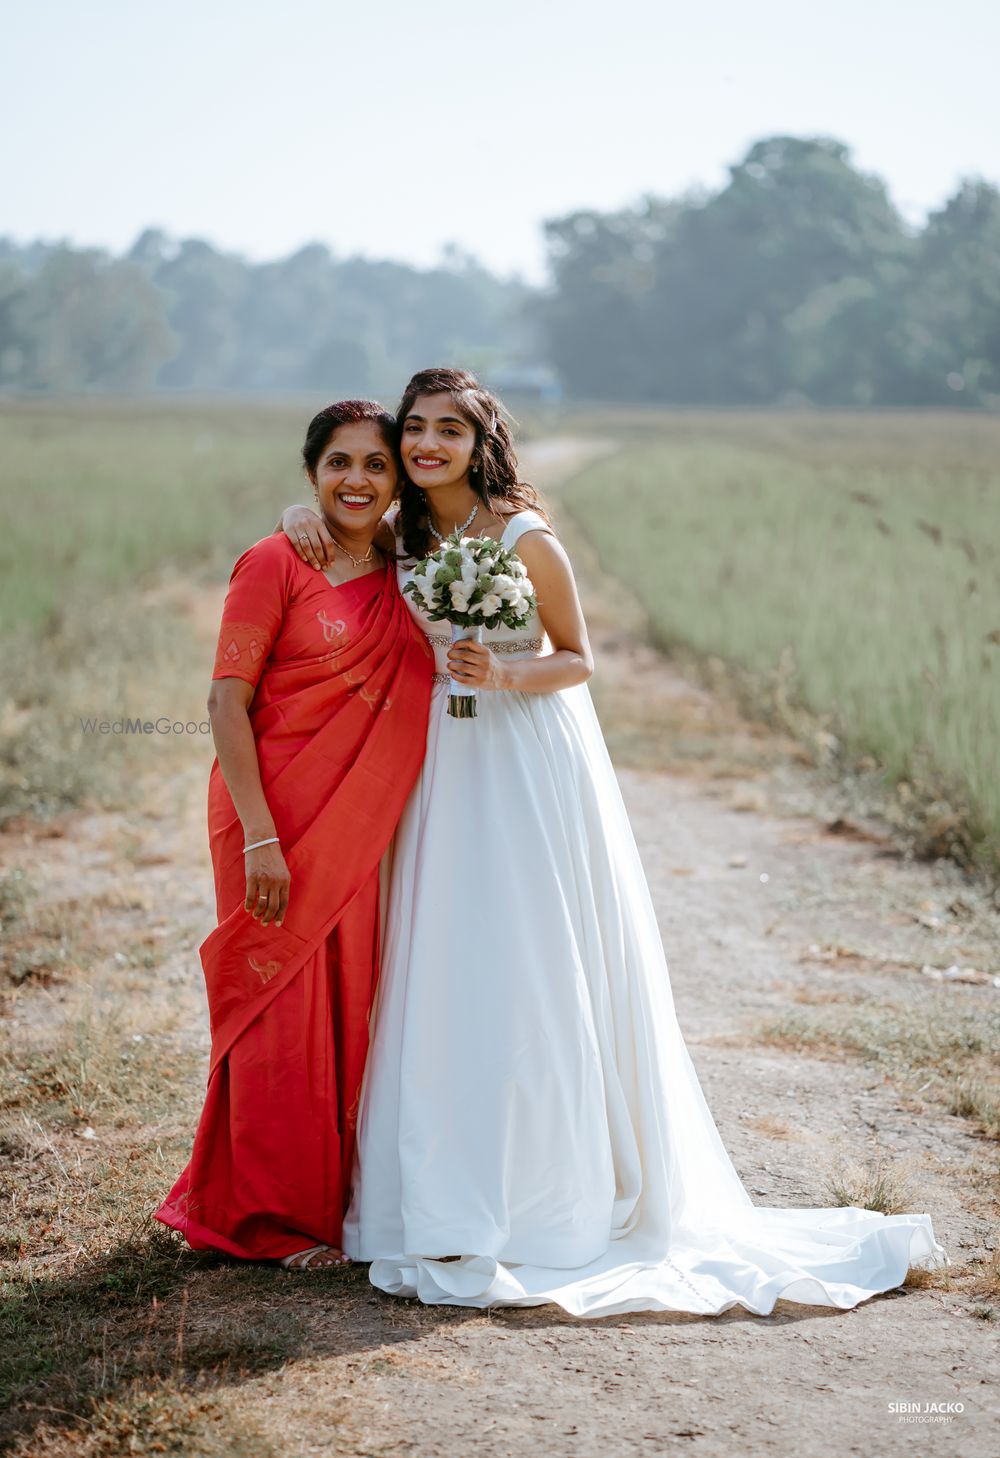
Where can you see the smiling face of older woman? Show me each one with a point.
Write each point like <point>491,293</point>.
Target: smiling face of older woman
<point>355,479</point>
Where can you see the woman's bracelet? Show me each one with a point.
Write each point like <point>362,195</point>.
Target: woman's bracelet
<point>271,840</point>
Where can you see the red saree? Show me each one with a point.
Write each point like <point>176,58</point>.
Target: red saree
<point>339,714</point>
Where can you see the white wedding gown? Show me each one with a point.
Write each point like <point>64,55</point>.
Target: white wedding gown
<point>529,1104</point>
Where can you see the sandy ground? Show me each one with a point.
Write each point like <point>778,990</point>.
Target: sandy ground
<point>763,910</point>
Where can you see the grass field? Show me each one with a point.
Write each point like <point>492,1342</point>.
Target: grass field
<point>102,503</point>
<point>847,566</point>
<point>97,494</point>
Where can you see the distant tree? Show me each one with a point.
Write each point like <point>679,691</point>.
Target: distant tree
<point>283,321</point>
<point>13,284</point>
<point>204,291</point>
<point>86,321</point>
<point>796,281</point>
<point>951,344</point>
<point>797,237</point>
<point>600,323</point>
<point>744,296</point>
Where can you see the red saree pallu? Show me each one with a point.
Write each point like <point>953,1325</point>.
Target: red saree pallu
<point>339,715</point>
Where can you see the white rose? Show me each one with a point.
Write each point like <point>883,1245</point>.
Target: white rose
<point>460,593</point>
<point>491,603</point>
<point>431,571</point>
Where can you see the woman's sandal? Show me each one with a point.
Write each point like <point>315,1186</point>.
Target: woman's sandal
<point>301,1260</point>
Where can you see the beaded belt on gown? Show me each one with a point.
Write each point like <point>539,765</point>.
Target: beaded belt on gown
<point>495,645</point>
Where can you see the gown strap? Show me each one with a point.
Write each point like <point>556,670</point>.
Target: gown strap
<point>524,521</point>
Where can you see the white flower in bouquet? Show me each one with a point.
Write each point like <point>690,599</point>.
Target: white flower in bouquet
<point>474,584</point>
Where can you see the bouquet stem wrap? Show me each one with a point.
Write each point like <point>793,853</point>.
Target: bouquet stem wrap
<point>462,696</point>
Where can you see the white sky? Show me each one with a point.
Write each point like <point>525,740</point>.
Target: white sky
<point>390,129</point>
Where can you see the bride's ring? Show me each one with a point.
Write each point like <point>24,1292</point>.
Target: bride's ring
<point>303,537</point>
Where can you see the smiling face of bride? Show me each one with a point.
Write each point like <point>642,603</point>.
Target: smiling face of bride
<point>438,443</point>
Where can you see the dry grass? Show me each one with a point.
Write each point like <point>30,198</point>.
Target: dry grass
<point>104,1347</point>
<point>871,1185</point>
<point>770,1127</point>
<point>987,1278</point>
<point>169,1417</point>
<point>109,661</point>
<point>875,1184</point>
<point>942,1044</point>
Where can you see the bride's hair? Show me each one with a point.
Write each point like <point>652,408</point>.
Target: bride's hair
<point>347,412</point>
<point>494,477</point>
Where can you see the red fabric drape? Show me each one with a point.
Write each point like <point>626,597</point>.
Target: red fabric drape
<point>339,714</point>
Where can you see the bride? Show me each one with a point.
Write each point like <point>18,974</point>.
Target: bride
<point>531,1126</point>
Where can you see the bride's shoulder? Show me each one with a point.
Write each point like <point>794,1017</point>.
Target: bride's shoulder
<point>518,523</point>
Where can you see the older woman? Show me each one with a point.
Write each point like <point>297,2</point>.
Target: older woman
<point>319,707</point>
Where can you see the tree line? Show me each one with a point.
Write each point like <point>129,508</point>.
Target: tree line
<point>797,282</point>
<point>182,315</point>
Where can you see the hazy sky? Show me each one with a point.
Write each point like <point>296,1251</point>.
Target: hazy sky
<point>391,129</point>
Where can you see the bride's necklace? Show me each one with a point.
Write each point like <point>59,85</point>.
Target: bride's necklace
<point>467,522</point>
<point>358,561</point>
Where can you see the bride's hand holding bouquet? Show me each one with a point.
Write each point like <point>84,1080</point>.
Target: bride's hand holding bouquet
<point>475,584</point>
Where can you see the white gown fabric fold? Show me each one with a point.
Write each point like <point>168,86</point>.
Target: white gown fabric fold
<point>529,1104</point>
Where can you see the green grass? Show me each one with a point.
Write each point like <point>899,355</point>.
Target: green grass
<point>99,494</point>
<point>850,566</point>
<point>104,502</point>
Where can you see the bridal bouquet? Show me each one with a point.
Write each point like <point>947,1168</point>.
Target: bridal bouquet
<point>473,583</point>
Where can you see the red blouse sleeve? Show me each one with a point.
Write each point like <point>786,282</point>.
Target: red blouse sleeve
<point>259,591</point>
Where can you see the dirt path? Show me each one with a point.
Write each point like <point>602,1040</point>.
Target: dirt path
<point>765,913</point>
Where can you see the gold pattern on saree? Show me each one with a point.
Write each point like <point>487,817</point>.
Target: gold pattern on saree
<point>332,629</point>
<point>265,970</point>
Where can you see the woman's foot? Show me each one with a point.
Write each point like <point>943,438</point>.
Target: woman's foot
<point>315,1258</point>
